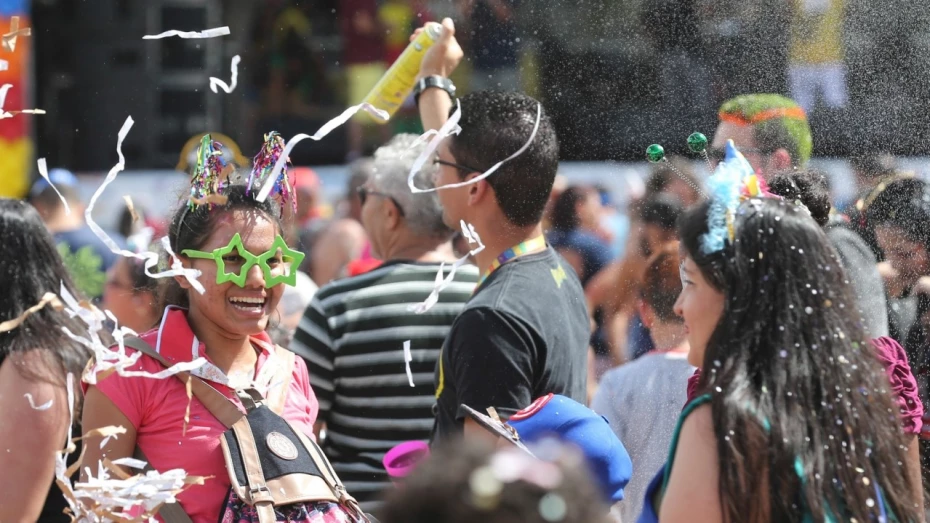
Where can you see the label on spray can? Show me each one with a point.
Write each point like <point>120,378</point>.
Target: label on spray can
<point>395,86</point>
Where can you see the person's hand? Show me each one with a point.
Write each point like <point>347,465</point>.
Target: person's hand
<point>444,56</point>
<point>891,278</point>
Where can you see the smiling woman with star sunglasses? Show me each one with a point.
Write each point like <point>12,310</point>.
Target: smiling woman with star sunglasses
<point>236,244</point>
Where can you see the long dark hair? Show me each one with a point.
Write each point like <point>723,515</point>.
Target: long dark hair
<point>32,267</point>
<point>190,229</point>
<point>802,409</point>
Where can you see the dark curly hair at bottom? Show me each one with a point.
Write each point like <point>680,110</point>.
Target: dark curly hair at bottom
<point>440,491</point>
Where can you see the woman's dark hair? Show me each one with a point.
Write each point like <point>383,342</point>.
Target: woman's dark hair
<point>801,407</point>
<point>441,490</point>
<point>905,205</point>
<point>807,186</point>
<point>564,210</point>
<point>31,268</point>
<point>190,229</point>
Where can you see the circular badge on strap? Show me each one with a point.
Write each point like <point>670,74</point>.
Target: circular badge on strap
<point>281,446</point>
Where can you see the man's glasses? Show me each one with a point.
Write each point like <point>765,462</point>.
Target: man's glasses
<point>717,155</point>
<point>458,166</point>
<point>363,193</point>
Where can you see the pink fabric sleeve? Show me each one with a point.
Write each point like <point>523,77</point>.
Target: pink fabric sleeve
<point>892,356</point>
<point>130,394</point>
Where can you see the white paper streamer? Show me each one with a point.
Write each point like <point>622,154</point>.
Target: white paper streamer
<point>43,172</point>
<point>4,65</point>
<point>323,131</point>
<point>32,403</point>
<point>408,357</point>
<point>131,463</point>
<point>206,33</point>
<point>9,39</point>
<point>443,133</point>
<point>441,283</point>
<point>216,82</point>
<point>150,258</point>
<point>10,114</point>
<point>112,359</point>
<point>448,129</point>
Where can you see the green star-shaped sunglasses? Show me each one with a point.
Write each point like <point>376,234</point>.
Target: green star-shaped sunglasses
<point>290,260</point>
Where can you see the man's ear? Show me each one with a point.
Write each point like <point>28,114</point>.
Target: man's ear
<point>780,160</point>
<point>478,191</point>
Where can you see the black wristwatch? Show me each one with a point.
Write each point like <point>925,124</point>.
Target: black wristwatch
<point>440,82</point>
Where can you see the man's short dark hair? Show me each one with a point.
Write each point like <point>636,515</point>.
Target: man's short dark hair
<point>662,283</point>
<point>494,126</point>
<point>661,210</point>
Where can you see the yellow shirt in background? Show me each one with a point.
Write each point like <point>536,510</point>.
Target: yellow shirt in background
<point>817,32</point>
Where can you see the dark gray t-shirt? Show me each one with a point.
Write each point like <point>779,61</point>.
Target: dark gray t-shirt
<point>523,334</point>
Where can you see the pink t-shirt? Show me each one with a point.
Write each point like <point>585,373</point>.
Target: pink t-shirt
<point>156,410</point>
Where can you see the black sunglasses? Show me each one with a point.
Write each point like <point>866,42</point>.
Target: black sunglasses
<point>458,166</point>
<point>363,193</point>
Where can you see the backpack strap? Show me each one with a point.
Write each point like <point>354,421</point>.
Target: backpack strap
<point>329,475</point>
<point>260,496</point>
<point>215,401</point>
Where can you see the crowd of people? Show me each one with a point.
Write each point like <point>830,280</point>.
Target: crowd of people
<point>453,345</point>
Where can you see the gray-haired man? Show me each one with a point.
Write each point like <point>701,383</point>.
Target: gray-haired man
<point>353,333</point>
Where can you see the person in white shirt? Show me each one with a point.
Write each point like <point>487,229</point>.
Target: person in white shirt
<point>643,399</point>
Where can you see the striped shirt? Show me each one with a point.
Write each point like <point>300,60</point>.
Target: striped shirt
<point>352,338</point>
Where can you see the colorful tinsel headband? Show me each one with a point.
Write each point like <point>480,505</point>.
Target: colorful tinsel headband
<point>263,166</point>
<point>211,175</point>
<point>732,182</point>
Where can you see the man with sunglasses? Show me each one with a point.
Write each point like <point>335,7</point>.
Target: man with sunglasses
<point>525,332</point>
<point>773,133</point>
<point>352,335</point>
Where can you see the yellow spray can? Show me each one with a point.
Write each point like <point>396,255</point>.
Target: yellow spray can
<point>397,83</point>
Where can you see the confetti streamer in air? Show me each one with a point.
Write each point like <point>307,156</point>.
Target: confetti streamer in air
<point>441,283</point>
<point>32,403</point>
<point>216,82</point>
<point>9,39</point>
<point>4,65</point>
<point>206,33</point>
<point>448,129</point>
<point>43,172</point>
<point>319,135</point>
<point>4,114</point>
<point>408,357</point>
<point>149,258</point>
<point>107,360</point>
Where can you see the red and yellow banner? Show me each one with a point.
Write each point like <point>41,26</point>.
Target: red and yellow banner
<point>16,146</point>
